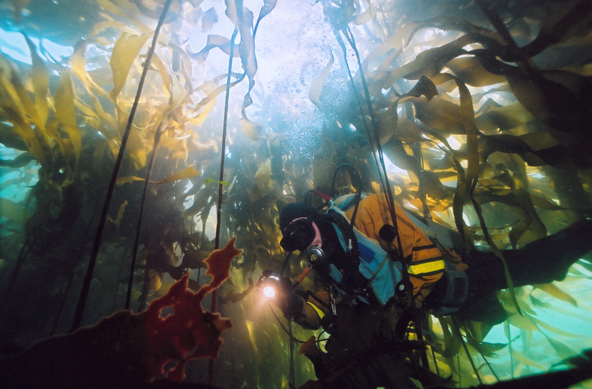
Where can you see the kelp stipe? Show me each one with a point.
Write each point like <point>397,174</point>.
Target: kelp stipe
<point>103,217</point>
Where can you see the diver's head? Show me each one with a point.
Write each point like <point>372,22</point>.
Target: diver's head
<point>299,230</point>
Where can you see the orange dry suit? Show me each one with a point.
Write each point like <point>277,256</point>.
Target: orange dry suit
<point>424,259</point>
<point>379,262</point>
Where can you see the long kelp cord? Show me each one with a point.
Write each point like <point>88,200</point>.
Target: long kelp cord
<point>220,185</point>
<point>388,193</point>
<point>359,101</point>
<point>291,375</point>
<point>283,327</point>
<point>111,188</point>
<point>128,296</point>
<point>464,344</point>
<point>382,173</point>
<point>489,365</point>
<point>501,29</point>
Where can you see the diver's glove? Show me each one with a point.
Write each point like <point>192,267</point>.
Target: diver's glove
<point>292,306</point>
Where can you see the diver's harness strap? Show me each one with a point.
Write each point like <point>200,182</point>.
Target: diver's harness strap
<point>352,251</point>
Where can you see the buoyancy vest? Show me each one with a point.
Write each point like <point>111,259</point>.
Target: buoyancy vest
<point>382,274</point>
<point>424,260</point>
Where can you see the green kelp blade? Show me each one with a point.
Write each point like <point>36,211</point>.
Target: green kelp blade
<point>16,103</point>
<point>562,350</point>
<point>437,160</point>
<point>452,341</point>
<point>212,181</point>
<point>253,131</point>
<point>556,292</point>
<point>539,303</point>
<point>201,200</point>
<point>397,41</point>
<point>519,229</point>
<point>9,138</point>
<point>425,87</point>
<point>523,322</point>
<point>182,175</point>
<point>503,118</point>
<point>396,152</point>
<point>18,162</point>
<point>365,16</point>
<point>433,187</point>
<point>582,360</point>
<point>268,6</point>
<point>544,203</point>
<point>24,131</point>
<point>63,143</point>
<point>127,180</point>
<point>549,327</point>
<point>40,80</point>
<point>572,21</point>
<point>439,114</point>
<point>12,211</point>
<point>136,148</point>
<point>112,8</point>
<point>387,123</point>
<point>465,122</point>
<point>472,72</point>
<point>503,143</point>
<point>124,53</point>
<point>497,253</point>
<point>213,41</point>
<point>458,203</point>
<point>527,361</point>
<point>120,212</point>
<point>408,131</point>
<point>65,113</point>
<point>159,65</point>
<point>429,62</point>
<point>178,94</point>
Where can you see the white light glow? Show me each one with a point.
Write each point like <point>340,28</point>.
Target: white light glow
<point>269,291</point>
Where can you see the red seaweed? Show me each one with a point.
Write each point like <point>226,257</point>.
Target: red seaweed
<point>127,349</point>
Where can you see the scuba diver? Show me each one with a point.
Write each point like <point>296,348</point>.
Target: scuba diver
<point>378,273</point>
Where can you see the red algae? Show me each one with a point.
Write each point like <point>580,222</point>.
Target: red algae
<point>128,349</point>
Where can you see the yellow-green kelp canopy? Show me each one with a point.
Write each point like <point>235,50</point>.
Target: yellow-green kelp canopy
<point>481,109</point>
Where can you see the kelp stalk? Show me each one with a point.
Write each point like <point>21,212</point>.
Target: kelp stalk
<point>462,341</point>
<point>388,193</point>
<point>111,188</point>
<point>220,185</point>
<point>500,27</point>
<point>157,136</point>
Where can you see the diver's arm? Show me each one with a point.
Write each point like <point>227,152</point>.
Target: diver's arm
<point>301,311</point>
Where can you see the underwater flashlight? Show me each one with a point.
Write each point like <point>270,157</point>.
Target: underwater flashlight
<point>272,284</point>
<point>269,291</point>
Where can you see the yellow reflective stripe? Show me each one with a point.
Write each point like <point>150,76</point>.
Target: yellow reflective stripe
<point>427,267</point>
<point>319,312</point>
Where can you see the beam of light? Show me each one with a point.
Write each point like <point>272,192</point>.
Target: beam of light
<point>269,291</point>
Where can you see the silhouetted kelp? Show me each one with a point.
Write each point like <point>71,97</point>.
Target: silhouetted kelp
<point>522,159</point>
